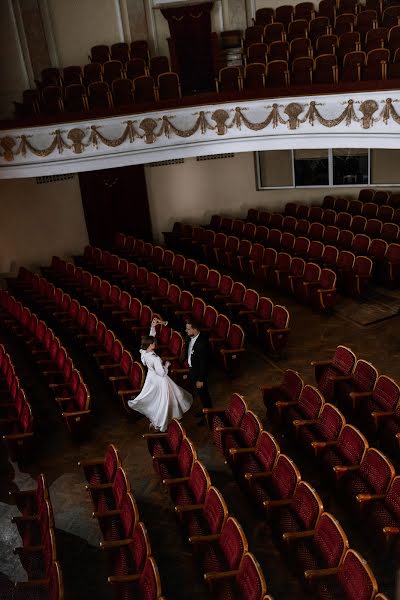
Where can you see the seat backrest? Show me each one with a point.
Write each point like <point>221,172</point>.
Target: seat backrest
<point>330,540</point>
<point>199,482</point>
<point>285,476</point>
<point>233,543</point>
<point>111,462</point>
<point>250,579</point>
<point>121,486</point>
<point>215,510</point>
<point>364,375</point>
<point>186,456</point>
<point>236,409</point>
<point>149,581</point>
<point>344,360</point>
<point>129,514</point>
<point>306,505</point>
<point>351,445</point>
<point>377,471</point>
<point>310,402</point>
<point>267,450</point>
<point>251,428</point>
<point>355,577</point>
<point>330,422</point>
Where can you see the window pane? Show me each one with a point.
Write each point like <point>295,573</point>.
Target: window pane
<point>311,167</point>
<point>275,168</point>
<point>385,166</point>
<point>350,166</point>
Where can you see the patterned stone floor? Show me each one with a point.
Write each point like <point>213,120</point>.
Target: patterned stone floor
<point>84,565</point>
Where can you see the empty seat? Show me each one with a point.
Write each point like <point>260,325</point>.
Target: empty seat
<point>229,80</point>
<point>144,89</point>
<point>169,87</point>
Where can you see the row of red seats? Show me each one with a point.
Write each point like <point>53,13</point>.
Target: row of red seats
<point>260,261</point>
<point>266,322</point>
<point>380,258</point>
<point>226,338</point>
<point>298,236</point>
<point>371,224</point>
<point>312,538</point>
<point>370,400</point>
<point>62,378</point>
<point>16,421</point>
<point>326,9</point>
<point>112,359</point>
<point>116,91</point>
<point>363,474</point>
<point>132,570</point>
<point>231,572</point>
<point>37,554</point>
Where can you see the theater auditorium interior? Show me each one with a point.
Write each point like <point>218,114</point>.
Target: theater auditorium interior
<point>235,162</point>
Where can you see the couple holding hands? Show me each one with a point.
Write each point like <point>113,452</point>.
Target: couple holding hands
<point>161,399</point>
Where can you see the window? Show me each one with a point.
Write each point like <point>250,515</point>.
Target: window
<point>327,167</point>
<point>350,166</point>
<point>311,167</point>
<point>385,166</point>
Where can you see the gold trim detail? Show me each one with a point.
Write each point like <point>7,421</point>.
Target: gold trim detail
<point>219,121</point>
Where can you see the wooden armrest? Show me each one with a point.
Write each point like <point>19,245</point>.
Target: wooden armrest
<point>24,519</point>
<point>76,413</point>
<point>213,411</point>
<point>233,351</point>
<point>164,456</point>
<point>32,583</point>
<point>98,486</point>
<point>123,578</point>
<point>391,531</point>
<point>154,436</point>
<point>276,503</point>
<point>17,436</point>
<point>22,493</point>
<point>227,429</point>
<point>118,378</point>
<point>355,395</point>
<point>106,513</point>
<point>175,481</point>
<point>302,422</point>
<point>262,475</point>
<point>105,545</point>
<point>361,498</point>
<point>318,444</point>
<point>298,535</point>
<point>215,576</point>
<point>320,363</point>
<point>234,451</point>
<point>91,462</point>
<point>202,539</point>
<point>182,508</point>
<point>28,549</point>
<point>315,573</point>
<point>345,468</point>
<point>282,403</point>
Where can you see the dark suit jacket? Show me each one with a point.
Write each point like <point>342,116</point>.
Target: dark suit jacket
<point>200,357</point>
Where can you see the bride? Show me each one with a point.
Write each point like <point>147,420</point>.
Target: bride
<point>161,399</point>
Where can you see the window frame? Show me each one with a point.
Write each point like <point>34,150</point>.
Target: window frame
<point>261,188</point>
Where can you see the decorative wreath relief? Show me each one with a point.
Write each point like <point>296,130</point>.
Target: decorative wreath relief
<point>293,110</point>
<point>368,108</point>
<point>219,121</point>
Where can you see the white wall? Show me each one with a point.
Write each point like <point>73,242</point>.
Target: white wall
<point>194,190</point>
<point>78,25</point>
<point>39,220</point>
<point>13,74</point>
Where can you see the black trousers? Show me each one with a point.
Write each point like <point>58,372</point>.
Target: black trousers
<point>202,393</point>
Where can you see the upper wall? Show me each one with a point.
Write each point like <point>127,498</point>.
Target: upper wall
<point>77,27</point>
<point>39,220</point>
<point>194,190</point>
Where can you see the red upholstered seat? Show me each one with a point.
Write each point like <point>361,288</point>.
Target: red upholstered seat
<point>278,484</point>
<point>323,548</point>
<point>352,580</point>
<point>342,364</point>
<point>299,514</point>
<point>102,470</point>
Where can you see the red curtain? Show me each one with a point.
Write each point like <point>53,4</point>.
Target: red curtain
<point>190,29</point>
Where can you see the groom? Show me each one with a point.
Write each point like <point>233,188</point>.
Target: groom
<point>197,354</point>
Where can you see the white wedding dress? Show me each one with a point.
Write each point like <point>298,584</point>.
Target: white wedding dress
<point>161,399</point>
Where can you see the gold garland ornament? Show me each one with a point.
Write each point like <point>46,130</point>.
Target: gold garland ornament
<point>150,130</point>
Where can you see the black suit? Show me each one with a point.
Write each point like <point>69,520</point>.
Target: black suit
<point>199,359</point>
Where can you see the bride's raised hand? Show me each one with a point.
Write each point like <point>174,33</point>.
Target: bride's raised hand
<point>154,322</point>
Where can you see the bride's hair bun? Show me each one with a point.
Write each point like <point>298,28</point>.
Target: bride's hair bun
<point>146,341</point>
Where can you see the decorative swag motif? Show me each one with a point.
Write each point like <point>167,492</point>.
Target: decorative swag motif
<point>219,121</point>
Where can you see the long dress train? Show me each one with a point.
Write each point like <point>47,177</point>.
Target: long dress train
<point>161,399</point>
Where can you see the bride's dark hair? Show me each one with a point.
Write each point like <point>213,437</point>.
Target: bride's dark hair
<point>146,341</point>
